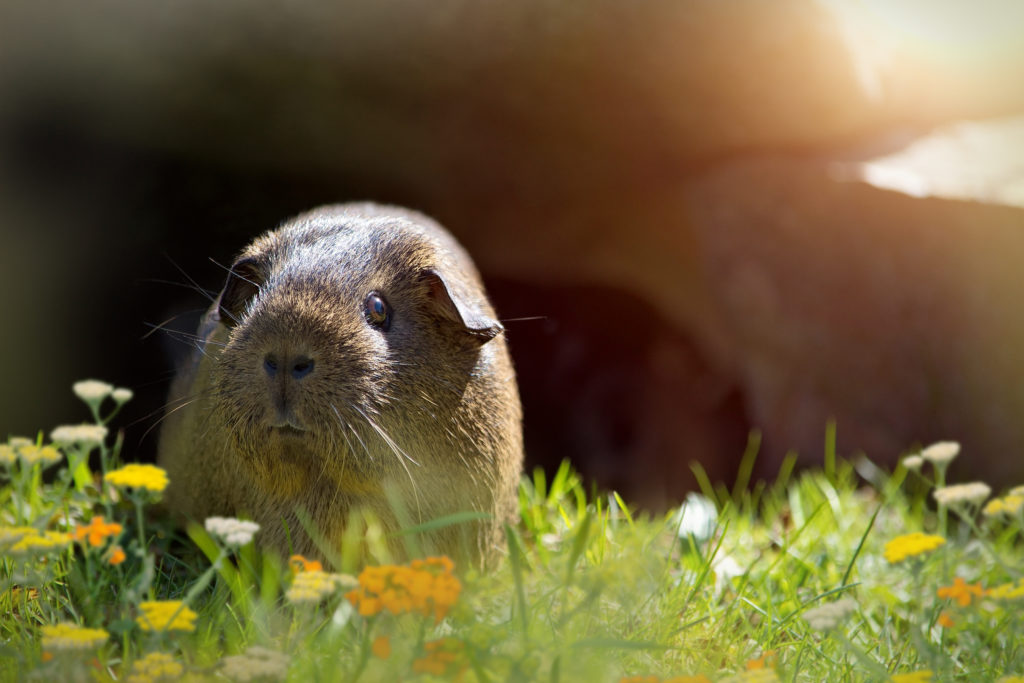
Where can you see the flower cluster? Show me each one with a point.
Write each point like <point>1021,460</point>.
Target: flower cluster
<point>27,542</point>
<point>84,434</point>
<point>148,477</point>
<point>96,531</point>
<point>961,591</point>
<point>1009,505</point>
<point>828,616</point>
<point>425,587</point>
<point>256,663</point>
<point>911,545</point>
<point>443,657</point>
<point>941,453</point>
<point>968,494</point>
<point>68,637</point>
<point>156,666</point>
<point>166,615</point>
<point>30,454</point>
<point>232,532</point>
<point>311,587</point>
<point>1008,591</point>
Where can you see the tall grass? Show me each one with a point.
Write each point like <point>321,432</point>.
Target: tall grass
<point>839,573</point>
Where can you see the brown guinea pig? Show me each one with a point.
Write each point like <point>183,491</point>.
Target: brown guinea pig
<point>351,360</point>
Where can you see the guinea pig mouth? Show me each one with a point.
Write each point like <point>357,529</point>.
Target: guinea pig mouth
<point>289,431</point>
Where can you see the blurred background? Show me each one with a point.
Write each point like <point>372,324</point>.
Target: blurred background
<point>699,217</point>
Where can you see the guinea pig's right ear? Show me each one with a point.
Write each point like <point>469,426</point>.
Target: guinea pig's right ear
<point>243,283</point>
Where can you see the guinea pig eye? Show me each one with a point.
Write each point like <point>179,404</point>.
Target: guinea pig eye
<point>377,310</point>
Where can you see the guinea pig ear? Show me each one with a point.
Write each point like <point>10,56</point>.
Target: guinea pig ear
<point>242,285</point>
<point>462,313</point>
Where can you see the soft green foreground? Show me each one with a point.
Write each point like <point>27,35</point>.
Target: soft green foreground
<point>585,593</point>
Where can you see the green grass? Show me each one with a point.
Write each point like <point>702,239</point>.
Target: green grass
<point>588,590</point>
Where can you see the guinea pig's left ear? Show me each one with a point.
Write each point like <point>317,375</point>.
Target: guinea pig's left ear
<point>458,309</point>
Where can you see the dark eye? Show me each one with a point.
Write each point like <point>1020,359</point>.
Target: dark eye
<point>377,310</point>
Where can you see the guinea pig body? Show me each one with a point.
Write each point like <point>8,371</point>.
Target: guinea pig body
<point>351,357</point>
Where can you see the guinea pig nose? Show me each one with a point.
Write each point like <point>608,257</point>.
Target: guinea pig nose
<point>301,367</point>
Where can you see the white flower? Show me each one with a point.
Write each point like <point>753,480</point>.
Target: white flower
<point>913,462</point>
<point>121,395</point>
<point>829,615</point>
<point>972,493</point>
<point>941,453</point>
<point>233,532</point>
<point>1016,491</point>
<point>92,390</point>
<point>84,434</point>
<point>257,663</point>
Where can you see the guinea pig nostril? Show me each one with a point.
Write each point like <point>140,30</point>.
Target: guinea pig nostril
<point>270,365</point>
<point>302,367</point>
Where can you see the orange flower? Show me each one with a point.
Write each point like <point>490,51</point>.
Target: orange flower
<point>961,591</point>
<point>117,556</point>
<point>96,531</point>
<point>381,647</point>
<point>425,587</point>
<point>444,657</point>
<point>945,620</point>
<point>767,660</point>
<point>301,564</point>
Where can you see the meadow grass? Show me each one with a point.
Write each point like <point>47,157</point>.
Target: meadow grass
<point>839,573</point>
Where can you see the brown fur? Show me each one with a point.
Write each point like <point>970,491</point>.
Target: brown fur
<point>427,409</point>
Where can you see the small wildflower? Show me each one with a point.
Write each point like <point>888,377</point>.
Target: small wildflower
<point>970,494</point>
<point>8,455</point>
<point>147,477</point>
<point>32,454</point>
<point>33,543</point>
<point>85,434</point>
<point>233,532</point>
<point>944,620</point>
<point>9,535</point>
<point>913,677</point>
<point>69,637</point>
<point>941,453</point>
<point>121,395</point>
<point>155,667</point>
<point>913,462</point>
<point>313,586</point>
<point>256,663</point>
<point>96,531</point>
<point>299,563</point>
<point>381,647</point>
<point>1009,506</point>
<point>426,587</point>
<point>911,545</point>
<point>961,591</point>
<point>1008,591</point>
<point>443,657</point>
<point>765,661</point>
<point>166,615</point>
<point>829,615</point>
<point>1016,491</point>
<point>116,556</point>
<point>92,390</point>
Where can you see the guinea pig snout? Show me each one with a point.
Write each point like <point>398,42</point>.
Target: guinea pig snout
<point>286,374</point>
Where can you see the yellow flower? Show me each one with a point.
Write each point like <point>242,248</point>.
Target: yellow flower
<point>313,586</point>
<point>166,615</point>
<point>1008,591</point>
<point>147,477</point>
<point>913,677</point>
<point>911,545</point>
<point>961,591</point>
<point>27,542</point>
<point>116,556</point>
<point>1010,505</point>
<point>425,587</point>
<point>944,620</point>
<point>8,456</point>
<point>154,667</point>
<point>1010,679</point>
<point>47,455</point>
<point>96,531</point>
<point>69,637</point>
